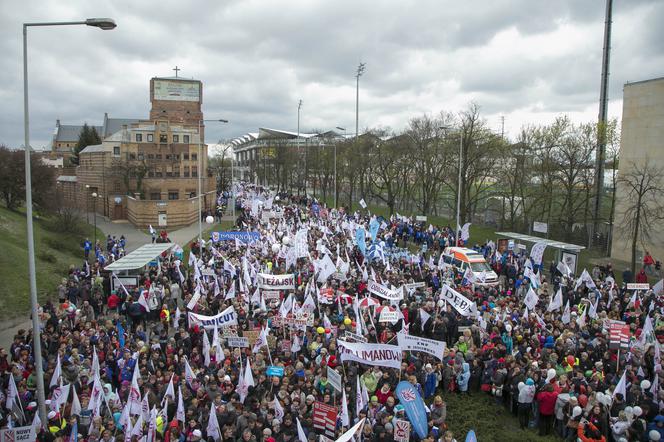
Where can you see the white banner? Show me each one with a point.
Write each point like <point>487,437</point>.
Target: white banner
<point>457,300</point>
<point>387,315</point>
<point>18,434</point>
<point>371,354</point>
<point>276,282</point>
<point>270,295</point>
<point>225,318</point>
<point>416,343</point>
<point>334,377</point>
<point>384,292</point>
<point>414,285</point>
<point>301,245</point>
<point>236,341</point>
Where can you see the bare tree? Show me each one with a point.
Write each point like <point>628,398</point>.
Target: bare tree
<point>641,190</point>
<point>389,166</point>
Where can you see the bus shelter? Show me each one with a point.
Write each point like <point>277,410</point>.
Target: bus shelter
<point>565,252</point>
<point>129,268</point>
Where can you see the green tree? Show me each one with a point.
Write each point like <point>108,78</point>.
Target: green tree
<point>87,137</point>
<point>12,179</point>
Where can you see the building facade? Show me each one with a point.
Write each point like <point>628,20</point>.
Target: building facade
<point>148,171</point>
<point>642,140</point>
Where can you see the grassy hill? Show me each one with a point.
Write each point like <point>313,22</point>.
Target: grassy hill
<point>54,252</point>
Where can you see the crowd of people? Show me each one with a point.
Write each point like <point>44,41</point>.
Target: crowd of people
<point>283,331</point>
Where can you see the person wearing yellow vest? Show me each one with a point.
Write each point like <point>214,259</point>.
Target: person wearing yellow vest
<point>165,316</point>
<point>56,425</point>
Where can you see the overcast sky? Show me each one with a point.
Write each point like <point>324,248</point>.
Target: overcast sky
<point>528,60</point>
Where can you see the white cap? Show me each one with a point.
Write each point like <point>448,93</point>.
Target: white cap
<point>52,414</point>
<point>576,411</point>
<point>197,433</point>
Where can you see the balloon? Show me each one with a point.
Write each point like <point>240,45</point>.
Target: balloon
<point>320,330</point>
<point>583,400</point>
<point>275,248</point>
<point>570,360</point>
<point>347,321</point>
<point>327,331</point>
<point>285,240</point>
<point>354,324</point>
<point>209,219</point>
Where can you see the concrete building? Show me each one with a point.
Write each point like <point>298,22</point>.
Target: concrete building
<point>147,171</point>
<point>642,139</point>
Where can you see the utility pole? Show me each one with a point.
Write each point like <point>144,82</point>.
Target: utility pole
<point>502,127</point>
<point>360,71</point>
<point>299,107</point>
<point>601,121</point>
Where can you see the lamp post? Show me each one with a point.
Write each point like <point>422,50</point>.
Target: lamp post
<point>336,202</point>
<point>458,208</point>
<point>299,107</point>
<point>200,171</point>
<point>360,71</point>
<point>87,205</point>
<point>94,208</point>
<point>102,23</point>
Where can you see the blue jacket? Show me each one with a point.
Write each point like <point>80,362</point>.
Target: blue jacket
<point>463,377</point>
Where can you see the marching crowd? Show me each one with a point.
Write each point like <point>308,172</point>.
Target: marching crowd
<point>312,323</point>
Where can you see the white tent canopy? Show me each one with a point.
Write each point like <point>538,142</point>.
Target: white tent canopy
<point>549,242</point>
<point>140,257</point>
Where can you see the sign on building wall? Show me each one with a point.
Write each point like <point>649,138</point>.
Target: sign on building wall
<point>174,90</point>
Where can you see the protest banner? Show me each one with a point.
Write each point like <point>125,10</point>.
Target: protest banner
<point>354,337</point>
<point>619,334</point>
<point>416,343</point>
<point>401,430</point>
<point>276,282</point>
<point>270,295</point>
<point>245,237</point>
<point>457,300</point>
<point>412,402</point>
<point>334,377</point>
<point>325,418</point>
<point>638,286</point>
<point>273,370</point>
<point>18,434</point>
<point>387,315</point>
<point>286,345</point>
<point>414,285</point>
<point>384,292</point>
<point>227,317</point>
<point>236,341</point>
<point>300,244</point>
<point>229,330</point>
<point>381,355</point>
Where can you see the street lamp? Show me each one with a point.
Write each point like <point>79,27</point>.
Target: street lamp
<point>87,203</point>
<point>94,207</point>
<point>360,71</point>
<point>458,202</point>
<point>102,23</point>
<point>200,171</point>
<point>299,108</point>
<point>336,202</point>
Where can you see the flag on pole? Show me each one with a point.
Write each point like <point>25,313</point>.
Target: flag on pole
<point>180,414</point>
<point>621,387</point>
<point>556,301</point>
<point>300,431</point>
<point>345,417</point>
<point>213,429</point>
<point>56,373</point>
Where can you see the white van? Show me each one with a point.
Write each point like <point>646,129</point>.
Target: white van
<point>462,258</point>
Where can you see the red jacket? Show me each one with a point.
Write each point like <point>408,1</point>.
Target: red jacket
<point>547,402</point>
<point>641,277</point>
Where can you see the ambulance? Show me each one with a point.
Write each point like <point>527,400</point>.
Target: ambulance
<point>462,258</point>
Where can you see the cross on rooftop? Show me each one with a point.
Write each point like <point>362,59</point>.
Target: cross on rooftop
<point>176,69</point>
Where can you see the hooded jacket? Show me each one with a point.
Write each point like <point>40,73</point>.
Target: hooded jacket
<point>464,377</point>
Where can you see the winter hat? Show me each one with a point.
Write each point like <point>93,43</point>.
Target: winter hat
<point>576,411</point>
<point>529,381</point>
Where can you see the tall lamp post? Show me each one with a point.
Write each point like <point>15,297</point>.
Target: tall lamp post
<point>94,208</point>
<point>200,172</point>
<point>336,201</point>
<point>458,201</point>
<point>87,203</point>
<point>299,108</point>
<point>102,23</point>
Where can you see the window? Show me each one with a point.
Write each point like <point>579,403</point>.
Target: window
<point>149,138</point>
<point>116,151</point>
<point>150,156</point>
<point>158,156</point>
<point>173,195</point>
<point>157,172</point>
<point>140,156</point>
<point>194,171</point>
<point>139,138</point>
<point>185,139</point>
<point>132,156</point>
<point>185,156</point>
<point>175,156</point>
<point>155,196</point>
<point>186,171</point>
<point>176,138</point>
<point>168,157</point>
<point>116,186</point>
<point>194,157</point>
<point>163,138</point>
<point>192,194</point>
<point>176,171</point>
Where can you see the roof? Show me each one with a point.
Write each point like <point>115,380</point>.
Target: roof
<point>632,83</point>
<point>140,257</point>
<point>70,132</point>
<point>548,242</point>
<point>95,148</point>
<point>67,178</point>
<point>113,125</point>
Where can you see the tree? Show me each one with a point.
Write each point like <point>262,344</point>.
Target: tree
<point>641,190</point>
<point>220,166</point>
<point>87,137</point>
<point>389,170</point>
<point>12,179</point>
<point>132,173</point>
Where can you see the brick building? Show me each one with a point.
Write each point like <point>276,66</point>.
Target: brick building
<point>147,171</point>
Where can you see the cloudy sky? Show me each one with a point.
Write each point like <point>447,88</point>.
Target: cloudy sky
<point>526,60</point>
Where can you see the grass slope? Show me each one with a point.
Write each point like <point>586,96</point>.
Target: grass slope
<point>54,253</point>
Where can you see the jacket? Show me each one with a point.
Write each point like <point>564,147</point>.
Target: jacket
<point>547,402</point>
<point>464,377</point>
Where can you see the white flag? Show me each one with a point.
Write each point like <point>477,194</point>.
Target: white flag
<point>278,409</point>
<point>138,428</point>
<point>556,301</point>
<point>465,232</point>
<point>658,288</point>
<point>206,349</point>
<point>363,203</point>
<point>621,387</point>
<point>180,414</point>
<point>213,429</point>
<point>581,320</point>
<point>348,435</point>
<point>567,315</point>
<point>95,371</point>
<point>170,393</point>
<point>537,252</point>
<point>188,373</point>
<point>424,317</point>
<point>359,398</point>
<point>300,432</point>
<point>345,417</point>
<point>216,343</point>
<point>56,373</point>
<point>531,299</point>
<point>134,399</point>
<point>35,428</point>
<point>75,403</point>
